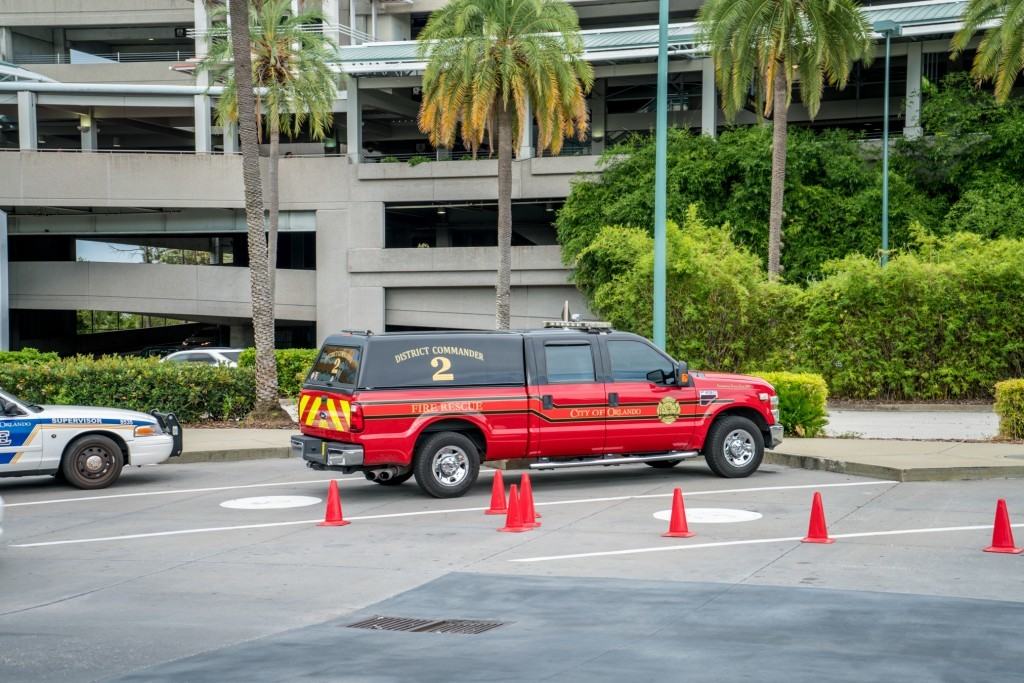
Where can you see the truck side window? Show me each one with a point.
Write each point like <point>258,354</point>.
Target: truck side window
<point>632,360</point>
<point>569,363</point>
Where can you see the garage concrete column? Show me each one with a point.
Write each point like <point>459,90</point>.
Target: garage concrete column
<point>202,25</point>
<point>6,44</point>
<point>229,133</point>
<point>28,131</point>
<point>525,150</point>
<point>912,128</point>
<point>354,122</point>
<point>598,115</point>
<point>5,303</point>
<point>343,300</point>
<point>89,131</point>
<point>708,99</point>
<point>241,336</point>
<point>331,10</point>
<point>204,127</point>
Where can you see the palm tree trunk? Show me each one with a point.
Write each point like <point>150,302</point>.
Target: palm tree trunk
<point>273,202</point>
<point>262,302</point>
<point>503,289</point>
<point>779,114</point>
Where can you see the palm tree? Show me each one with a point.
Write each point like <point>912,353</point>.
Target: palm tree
<point>293,77</point>
<point>489,62</point>
<point>773,43</point>
<point>259,284</point>
<point>1000,55</point>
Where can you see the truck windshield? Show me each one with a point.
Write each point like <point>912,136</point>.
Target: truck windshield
<point>337,366</point>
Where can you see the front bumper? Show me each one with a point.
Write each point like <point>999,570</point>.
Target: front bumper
<point>322,454</point>
<point>776,435</point>
<point>169,423</point>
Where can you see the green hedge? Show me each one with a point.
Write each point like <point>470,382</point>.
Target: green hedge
<point>292,366</point>
<point>27,356</point>
<point>1010,408</point>
<point>192,391</point>
<point>802,399</point>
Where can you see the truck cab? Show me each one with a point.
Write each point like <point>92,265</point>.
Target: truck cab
<point>436,405</point>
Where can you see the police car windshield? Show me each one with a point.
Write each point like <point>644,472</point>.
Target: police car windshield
<point>10,401</point>
<point>336,366</point>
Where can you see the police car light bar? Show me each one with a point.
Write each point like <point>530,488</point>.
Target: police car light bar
<point>577,324</point>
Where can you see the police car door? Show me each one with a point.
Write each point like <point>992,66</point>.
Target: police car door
<point>20,439</point>
<point>567,400</point>
<point>648,411</point>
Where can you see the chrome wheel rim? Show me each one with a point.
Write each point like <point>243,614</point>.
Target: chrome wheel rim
<point>739,448</point>
<point>450,466</point>
<point>94,462</point>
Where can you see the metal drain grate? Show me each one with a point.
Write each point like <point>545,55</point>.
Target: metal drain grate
<point>469,627</point>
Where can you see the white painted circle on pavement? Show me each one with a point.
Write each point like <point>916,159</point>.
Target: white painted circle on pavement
<point>270,502</point>
<point>712,515</point>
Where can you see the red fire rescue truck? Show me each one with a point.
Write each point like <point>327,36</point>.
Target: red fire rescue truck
<point>434,405</point>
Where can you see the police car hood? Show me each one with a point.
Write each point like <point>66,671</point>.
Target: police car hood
<point>91,413</point>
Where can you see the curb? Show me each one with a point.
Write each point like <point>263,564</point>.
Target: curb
<point>861,469</point>
<point>231,455</point>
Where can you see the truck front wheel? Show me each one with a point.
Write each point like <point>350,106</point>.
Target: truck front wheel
<point>447,464</point>
<point>734,447</point>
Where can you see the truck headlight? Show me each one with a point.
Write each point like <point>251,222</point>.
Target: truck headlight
<point>148,430</point>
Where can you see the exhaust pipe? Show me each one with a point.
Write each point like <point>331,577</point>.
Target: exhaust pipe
<point>382,474</point>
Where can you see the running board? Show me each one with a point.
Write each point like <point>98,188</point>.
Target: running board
<point>604,461</point>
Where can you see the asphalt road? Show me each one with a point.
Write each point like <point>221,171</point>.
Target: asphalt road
<point>155,580</point>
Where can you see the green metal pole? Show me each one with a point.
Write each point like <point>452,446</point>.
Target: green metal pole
<point>660,173</point>
<point>885,156</point>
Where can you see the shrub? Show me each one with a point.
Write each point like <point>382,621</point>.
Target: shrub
<point>1010,408</point>
<point>292,366</point>
<point>27,356</point>
<point>802,401</point>
<point>941,324</point>
<point>190,390</point>
<point>721,311</point>
<point>388,160</point>
<point>418,159</point>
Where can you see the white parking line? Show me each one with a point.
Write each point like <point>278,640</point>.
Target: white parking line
<point>752,541</point>
<point>167,493</point>
<point>267,525</point>
<point>199,490</point>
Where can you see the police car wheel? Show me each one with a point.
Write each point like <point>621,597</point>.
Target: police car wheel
<point>734,447</point>
<point>447,464</point>
<point>92,462</point>
<point>662,464</point>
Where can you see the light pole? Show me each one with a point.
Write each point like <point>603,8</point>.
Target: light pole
<point>660,173</point>
<point>888,29</point>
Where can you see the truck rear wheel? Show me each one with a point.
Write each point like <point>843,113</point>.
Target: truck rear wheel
<point>92,462</point>
<point>734,447</point>
<point>447,464</point>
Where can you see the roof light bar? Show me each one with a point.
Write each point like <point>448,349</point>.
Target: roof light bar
<point>577,324</point>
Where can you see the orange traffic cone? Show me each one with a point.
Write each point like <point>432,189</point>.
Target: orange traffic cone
<point>513,520</point>
<point>1002,532</point>
<point>526,500</point>
<point>817,531</point>
<point>333,516</point>
<point>497,496</point>
<point>677,527</point>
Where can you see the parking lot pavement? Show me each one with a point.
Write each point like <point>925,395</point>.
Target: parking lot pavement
<point>158,562</point>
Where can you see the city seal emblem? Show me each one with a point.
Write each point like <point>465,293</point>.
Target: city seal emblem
<point>668,410</point>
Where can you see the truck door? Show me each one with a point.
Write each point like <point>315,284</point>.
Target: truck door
<point>567,402</point>
<point>648,412</point>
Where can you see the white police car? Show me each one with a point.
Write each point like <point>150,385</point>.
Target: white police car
<point>85,446</point>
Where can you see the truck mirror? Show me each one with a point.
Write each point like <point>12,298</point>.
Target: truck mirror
<point>656,376</point>
<point>682,373</point>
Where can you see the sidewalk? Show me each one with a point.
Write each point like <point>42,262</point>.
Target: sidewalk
<point>903,460</point>
<point>207,445</point>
